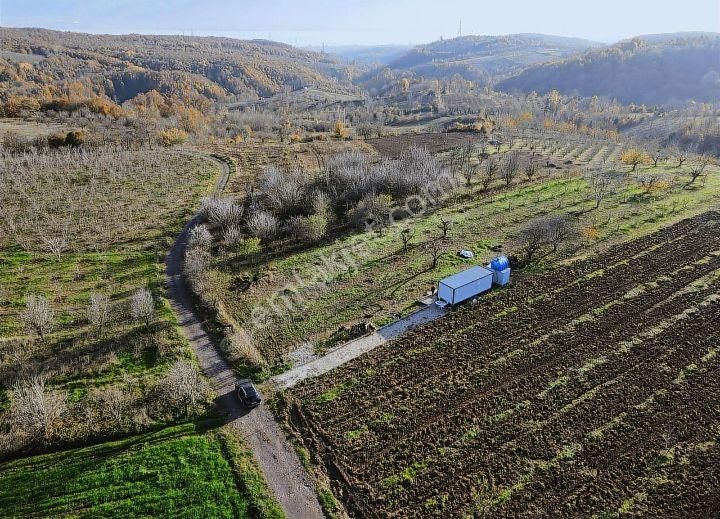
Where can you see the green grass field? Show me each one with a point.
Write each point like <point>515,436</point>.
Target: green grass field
<point>180,471</point>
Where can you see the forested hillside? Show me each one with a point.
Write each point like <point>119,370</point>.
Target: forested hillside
<point>651,70</point>
<point>480,57</point>
<point>50,70</point>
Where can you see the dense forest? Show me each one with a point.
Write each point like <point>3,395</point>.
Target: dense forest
<point>650,71</point>
<point>50,70</point>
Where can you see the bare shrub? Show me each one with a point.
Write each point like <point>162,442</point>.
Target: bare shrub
<point>114,407</point>
<point>321,204</point>
<point>197,263</point>
<point>38,316</point>
<point>307,228</point>
<point>221,211</point>
<point>372,212</point>
<point>98,311</point>
<point>35,410</point>
<point>263,225</point>
<point>183,392</point>
<point>142,306</point>
<point>232,236</point>
<point>239,346</point>
<point>284,190</point>
<point>199,237</point>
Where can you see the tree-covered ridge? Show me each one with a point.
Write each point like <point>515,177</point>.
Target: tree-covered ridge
<point>50,64</point>
<point>634,71</point>
<point>488,54</point>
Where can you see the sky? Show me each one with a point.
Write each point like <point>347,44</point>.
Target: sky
<point>366,22</point>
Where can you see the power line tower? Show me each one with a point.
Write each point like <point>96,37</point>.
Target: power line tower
<point>460,29</point>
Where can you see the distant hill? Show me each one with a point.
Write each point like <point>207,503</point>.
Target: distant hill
<point>478,58</point>
<point>366,54</point>
<point>653,69</point>
<point>120,67</point>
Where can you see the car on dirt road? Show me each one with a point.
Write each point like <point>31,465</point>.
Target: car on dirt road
<point>248,393</point>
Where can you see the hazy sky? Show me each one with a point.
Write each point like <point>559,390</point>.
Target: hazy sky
<point>334,22</point>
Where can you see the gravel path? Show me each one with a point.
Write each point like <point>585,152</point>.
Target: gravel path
<point>283,472</point>
<point>355,348</point>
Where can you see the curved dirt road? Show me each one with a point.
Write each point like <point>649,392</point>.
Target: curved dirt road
<point>278,461</point>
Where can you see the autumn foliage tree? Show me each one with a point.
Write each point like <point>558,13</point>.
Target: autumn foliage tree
<point>634,157</point>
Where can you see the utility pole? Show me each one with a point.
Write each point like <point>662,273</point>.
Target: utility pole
<point>460,29</point>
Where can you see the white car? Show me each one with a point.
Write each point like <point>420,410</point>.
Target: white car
<point>466,254</point>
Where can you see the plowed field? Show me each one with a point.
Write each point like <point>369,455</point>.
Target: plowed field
<point>590,390</point>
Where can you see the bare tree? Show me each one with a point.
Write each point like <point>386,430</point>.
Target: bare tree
<point>698,167</point>
<point>531,168</point>
<point>98,311</point>
<point>510,168</point>
<point>34,410</point>
<point>406,235</point>
<point>38,316</point>
<point>532,237</point>
<point>56,245</point>
<point>489,173</point>
<point>435,250</point>
<point>680,155</point>
<point>444,227</point>
<point>559,229</point>
<point>183,390</point>
<point>602,185</point>
<point>650,182</point>
<point>656,155</point>
<point>142,306</point>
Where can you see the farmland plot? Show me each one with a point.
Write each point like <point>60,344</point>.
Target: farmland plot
<point>590,390</point>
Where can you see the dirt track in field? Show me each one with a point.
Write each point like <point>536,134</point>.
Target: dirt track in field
<point>280,465</point>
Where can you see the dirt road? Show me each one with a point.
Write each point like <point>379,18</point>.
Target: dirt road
<point>278,461</point>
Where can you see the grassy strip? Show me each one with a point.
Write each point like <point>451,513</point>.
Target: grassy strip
<point>248,477</point>
<point>176,472</point>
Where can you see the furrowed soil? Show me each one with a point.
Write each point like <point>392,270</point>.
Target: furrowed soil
<point>590,390</point>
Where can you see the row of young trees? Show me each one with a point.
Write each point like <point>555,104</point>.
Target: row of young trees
<point>40,414</point>
<point>39,316</point>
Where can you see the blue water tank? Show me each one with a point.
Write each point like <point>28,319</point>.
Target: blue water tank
<point>500,263</point>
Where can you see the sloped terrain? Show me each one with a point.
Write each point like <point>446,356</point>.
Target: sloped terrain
<point>121,67</point>
<point>656,70</point>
